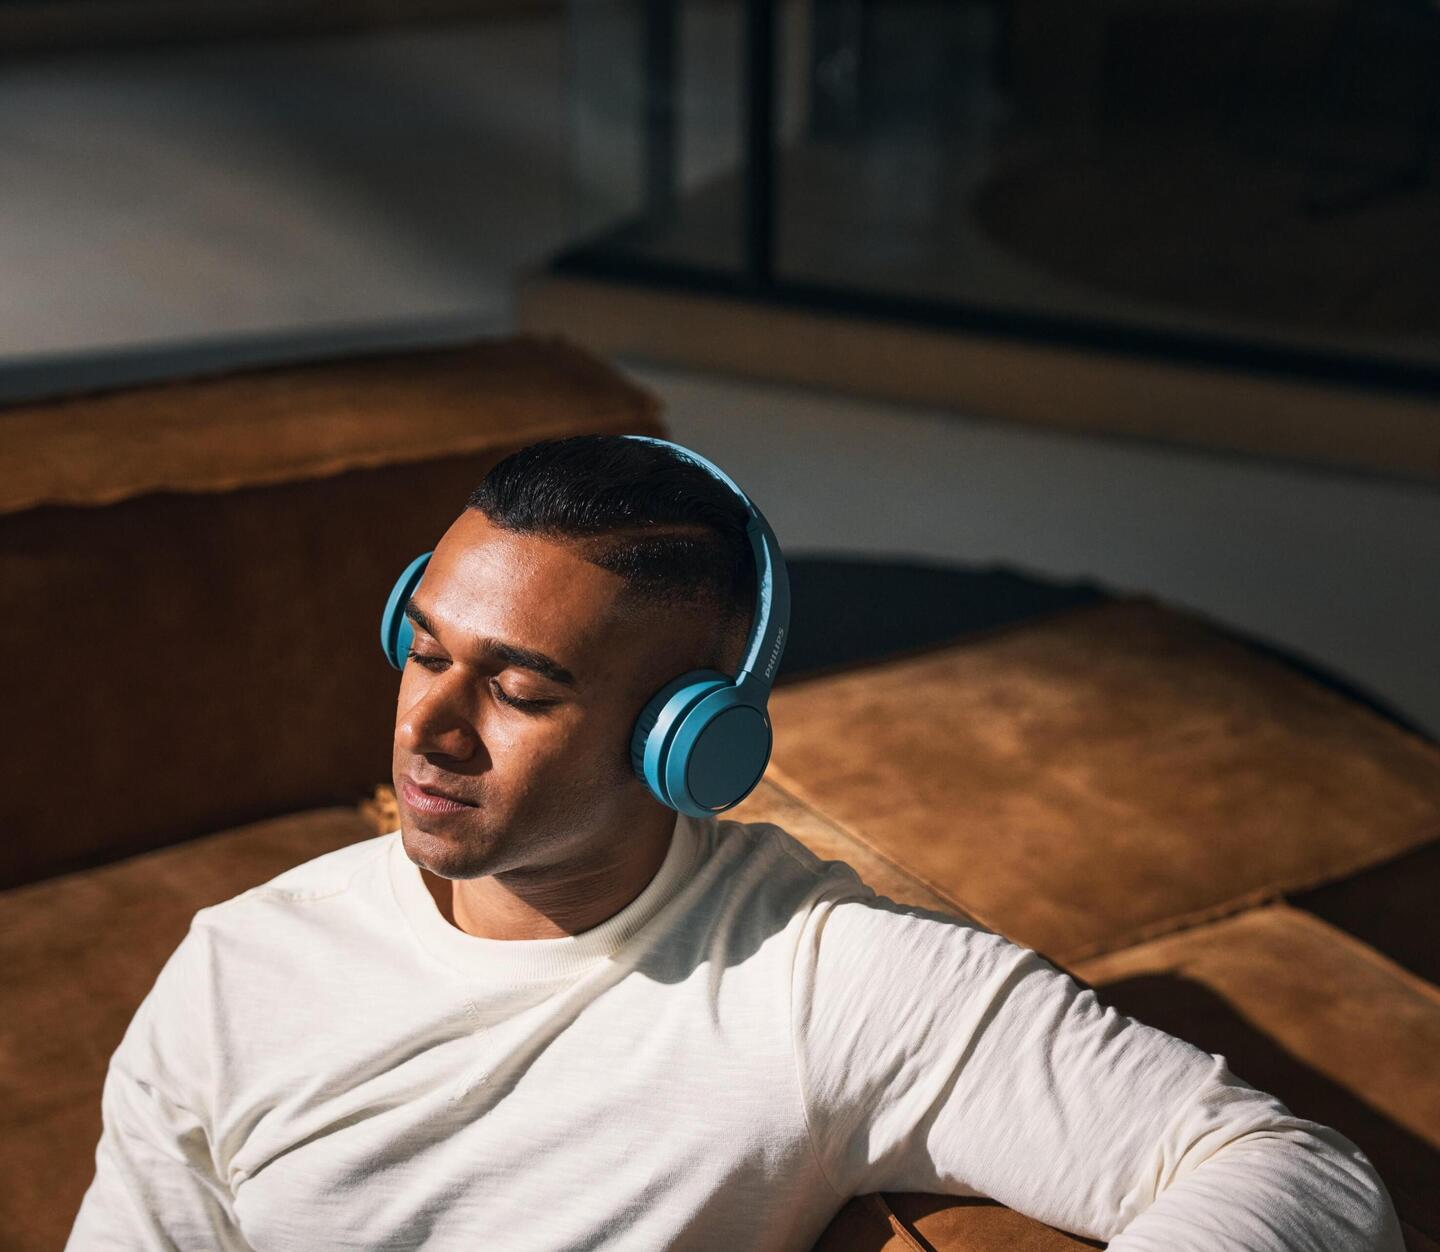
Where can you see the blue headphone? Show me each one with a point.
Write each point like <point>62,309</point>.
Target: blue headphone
<point>703,740</point>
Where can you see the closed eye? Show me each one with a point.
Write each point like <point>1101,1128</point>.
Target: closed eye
<point>433,664</point>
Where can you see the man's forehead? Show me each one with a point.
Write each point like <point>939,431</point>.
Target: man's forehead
<point>539,593</point>
<point>543,594</point>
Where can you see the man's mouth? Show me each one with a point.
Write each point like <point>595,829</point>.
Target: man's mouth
<point>431,799</point>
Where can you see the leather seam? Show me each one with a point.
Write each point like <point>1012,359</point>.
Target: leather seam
<point>897,1223</point>
<point>791,789</point>
<point>1254,898</point>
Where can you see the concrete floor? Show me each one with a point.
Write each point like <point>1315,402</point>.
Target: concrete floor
<point>190,206</point>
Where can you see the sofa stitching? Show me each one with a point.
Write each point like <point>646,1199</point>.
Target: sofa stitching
<point>1164,927</point>
<point>1284,911</point>
<point>1371,955</point>
<point>897,1223</point>
<point>1160,927</point>
<point>1426,832</point>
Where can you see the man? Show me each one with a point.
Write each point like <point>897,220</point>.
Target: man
<point>551,1013</point>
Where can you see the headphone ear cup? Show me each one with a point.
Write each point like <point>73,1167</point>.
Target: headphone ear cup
<point>396,633</point>
<point>699,746</point>
<point>659,721</point>
<point>720,754</point>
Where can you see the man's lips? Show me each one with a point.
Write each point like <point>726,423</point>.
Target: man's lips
<point>431,799</point>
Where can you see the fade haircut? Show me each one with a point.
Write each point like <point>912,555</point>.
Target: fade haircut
<point>667,526</point>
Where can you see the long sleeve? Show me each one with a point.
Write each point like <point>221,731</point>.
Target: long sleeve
<point>156,1185</point>
<point>1287,1184</point>
<point>935,1056</point>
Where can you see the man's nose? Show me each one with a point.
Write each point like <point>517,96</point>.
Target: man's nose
<point>438,721</point>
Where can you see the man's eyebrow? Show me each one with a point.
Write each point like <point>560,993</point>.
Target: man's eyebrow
<point>510,653</point>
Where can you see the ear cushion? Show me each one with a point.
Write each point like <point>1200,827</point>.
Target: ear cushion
<point>699,745</point>
<point>396,633</point>
<point>660,719</point>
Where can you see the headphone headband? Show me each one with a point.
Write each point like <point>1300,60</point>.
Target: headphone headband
<point>771,622</point>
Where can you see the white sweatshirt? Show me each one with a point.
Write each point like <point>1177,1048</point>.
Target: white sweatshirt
<point>325,1062</point>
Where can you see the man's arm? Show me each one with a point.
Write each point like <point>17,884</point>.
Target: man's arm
<point>935,1056</point>
<point>156,1185</point>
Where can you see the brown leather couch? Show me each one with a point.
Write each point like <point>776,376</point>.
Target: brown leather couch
<point>1218,845</point>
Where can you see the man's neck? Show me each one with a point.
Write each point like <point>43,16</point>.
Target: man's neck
<point>569,901</point>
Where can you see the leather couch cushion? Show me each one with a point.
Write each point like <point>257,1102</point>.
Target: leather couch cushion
<point>78,953</point>
<point>248,428</point>
<point>1087,781</point>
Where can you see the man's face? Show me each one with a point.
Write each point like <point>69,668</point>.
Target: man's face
<point>550,782</point>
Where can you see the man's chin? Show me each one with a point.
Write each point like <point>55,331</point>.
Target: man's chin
<point>443,849</point>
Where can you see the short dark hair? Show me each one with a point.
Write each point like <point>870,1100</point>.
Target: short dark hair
<point>672,530</point>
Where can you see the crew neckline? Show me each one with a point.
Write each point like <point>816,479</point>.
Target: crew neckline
<point>539,959</point>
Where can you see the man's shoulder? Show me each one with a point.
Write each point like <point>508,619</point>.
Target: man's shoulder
<point>790,862</point>
<point>838,888</point>
<point>321,877</point>
<point>854,949</point>
<point>779,872</point>
<point>852,917</point>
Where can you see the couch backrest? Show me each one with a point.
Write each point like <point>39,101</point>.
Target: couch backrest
<point>195,572</point>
